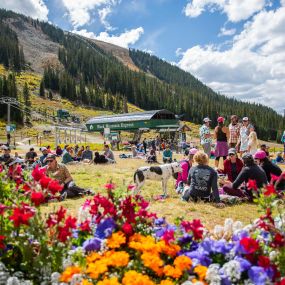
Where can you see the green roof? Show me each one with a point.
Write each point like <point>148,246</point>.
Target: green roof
<point>130,117</point>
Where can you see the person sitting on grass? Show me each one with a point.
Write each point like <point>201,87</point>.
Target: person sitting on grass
<point>67,157</point>
<point>60,172</point>
<point>100,158</point>
<point>232,166</point>
<point>167,155</point>
<point>151,157</point>
<point>279,157</point>
<point>30,156</point>
<point>15,170</point>
<point>202,181</point>
<point>251,171</point>
<point>109,154</point>
<point>265,163</point>
<point>87,155</point>
<point>45,153</point>
<point>265,148</point>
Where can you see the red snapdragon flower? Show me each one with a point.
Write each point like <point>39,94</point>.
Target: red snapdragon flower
<point>168,236</point>
<point>110,186</point>
<point>21,216</point>
<point>70,222</point>
<point>85,226</point>
<point>195,226</point>
<point>251,185</point>
<point>278,241</point>
<point>131,187</point>
<point>44,181</point>
<point>54,187</point>
<point>63,234</point>
<point>250,245</point>
<point>38,173</point>
<point>2,244</point>
<point>270,190</point>
<point>27,188</point>
<point>127,229</point>
<point>51,221</point>
<point>37,198</point>
<point>60,214</point>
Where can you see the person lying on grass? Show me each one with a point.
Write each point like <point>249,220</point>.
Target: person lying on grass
<point>60,172</point>
<point>202,181</point>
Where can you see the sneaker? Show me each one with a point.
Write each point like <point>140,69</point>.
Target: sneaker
<point>63,196</point>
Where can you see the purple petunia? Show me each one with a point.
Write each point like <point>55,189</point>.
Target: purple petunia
<point>93,244</point>
<point>258,275</point>
<point>105,228</point>
<point>199,256</point>
<point>244,264</point>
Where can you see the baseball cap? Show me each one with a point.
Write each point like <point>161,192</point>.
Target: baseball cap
<point>206,120</point>
<point>193,150</point>
<point>4,147</point>
<point>16,160</point>
<point>232,151</point>
<point>221,119</point>
<point>245,118</point>
<point>50,156</point>
<point>43,149</point>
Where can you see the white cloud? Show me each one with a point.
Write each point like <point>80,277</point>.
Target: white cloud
<point>252,68</point>
<point>33,8</point>
<point>236,10</point>
<point>225,32</point>
<point>80,10</point>
<point>125,39</point>
<point>103,13</point>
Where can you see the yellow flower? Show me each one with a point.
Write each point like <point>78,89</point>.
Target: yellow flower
<point>183,262</point>
<point>97,268</point>
<point>111,281</point>
<point>201,271</point>
<point>119,258</point>
<point>134,278</point>
<point>171,271</point>
<point>69,272</point>
<point>116,240</point>
<point>86,282</point>
<point>166,282</point>
<point>153,261</point>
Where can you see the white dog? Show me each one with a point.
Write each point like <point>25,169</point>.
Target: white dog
<point>161,173</point>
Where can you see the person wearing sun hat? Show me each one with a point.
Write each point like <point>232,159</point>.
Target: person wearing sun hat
<point>221,134</point>
<point>205,136</point>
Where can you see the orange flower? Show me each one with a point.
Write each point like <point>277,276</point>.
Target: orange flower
<point>119,258</point>
<point>183,262</point>
<point>201,271</point>
<point>166,282</point>
<point>93,257</point>
<point>69,272</point>
<point>134,278</point>
<point>171,271</point>
<point>142,243</point>
<point>111,281</point>
<point>169,249</point>
<point>86,282</point>
<point>116,240</point>
<point>153,261</point>
<point>95,269</point>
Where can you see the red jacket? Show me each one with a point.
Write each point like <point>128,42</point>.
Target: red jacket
<point>228,168</point>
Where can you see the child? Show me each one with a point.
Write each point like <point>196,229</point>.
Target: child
<point>279,158</point>
<point>252,143</point>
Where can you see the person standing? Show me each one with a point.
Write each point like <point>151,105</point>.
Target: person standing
<point>221,134</point>
<point>234,130</point>
<point>252,143</point>
<point>245,130</point>
<point>144,145</point>
<point>205,136</point>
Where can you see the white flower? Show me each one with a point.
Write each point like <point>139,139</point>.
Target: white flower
<point>13,281</point>
<point>232,270</point>
<point>83,214</point>
<point>55,277</point>
<point>212,275</point>
<point>237,226</point>
<point>218,231</point>
<point>76,279</point>
<point>272,255</point>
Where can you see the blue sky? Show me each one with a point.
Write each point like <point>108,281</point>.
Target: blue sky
<point>237,47</point>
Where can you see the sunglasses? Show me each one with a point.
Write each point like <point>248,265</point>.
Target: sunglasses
<point>232,154</point>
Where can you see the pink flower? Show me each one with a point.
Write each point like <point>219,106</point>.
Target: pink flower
<point>131,187</point>
<point>168,236</point>
<point>110,186</point>
<point>127,229</point>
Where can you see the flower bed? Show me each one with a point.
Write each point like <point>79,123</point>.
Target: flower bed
<point>116,240</point>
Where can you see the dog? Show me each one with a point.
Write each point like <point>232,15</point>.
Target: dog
<point>160,173</point>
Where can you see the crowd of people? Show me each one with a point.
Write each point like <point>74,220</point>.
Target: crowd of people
<point>237,145</point>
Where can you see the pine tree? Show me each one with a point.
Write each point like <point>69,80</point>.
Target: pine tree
<point>28,104</point>
<point>42,89</point>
